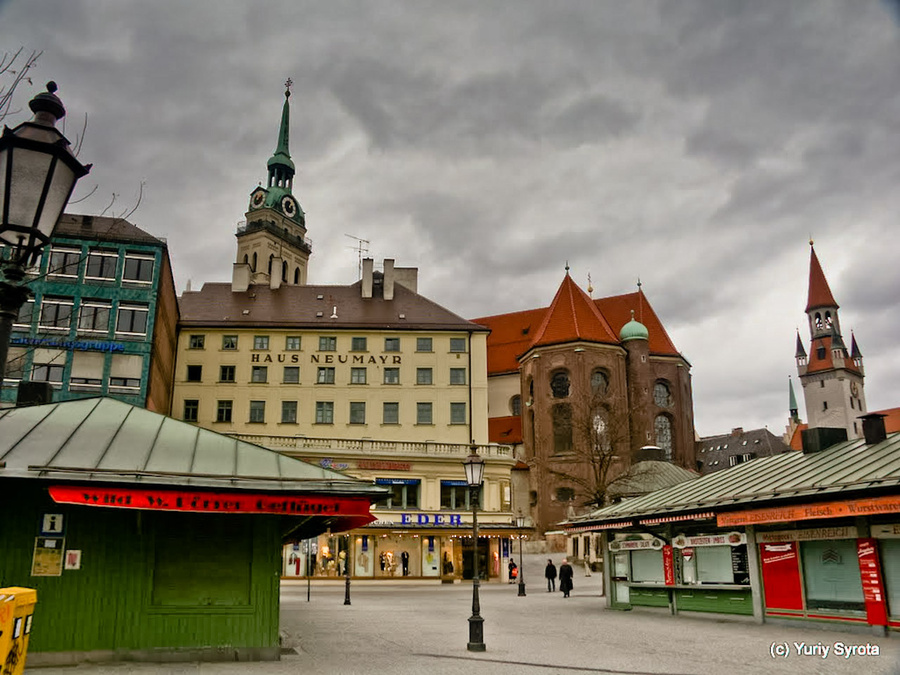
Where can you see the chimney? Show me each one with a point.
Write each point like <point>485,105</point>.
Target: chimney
<point>275,273</point>
<point>35,393</point>
<point>873,428</point>
<point>389,279</point>
<point>240,277</point>
<point>737,431</point>
<point>367,265</point>
<point>407,277</point>
<point>818,439</point>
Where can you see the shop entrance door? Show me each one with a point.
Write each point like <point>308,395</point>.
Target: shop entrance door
<point>468,556</point>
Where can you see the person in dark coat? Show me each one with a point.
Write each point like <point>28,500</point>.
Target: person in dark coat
<point>565,578</point>
<point>550,574</point>
<point>513,571</point>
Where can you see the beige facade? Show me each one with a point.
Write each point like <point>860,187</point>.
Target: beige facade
<point>334,383</point>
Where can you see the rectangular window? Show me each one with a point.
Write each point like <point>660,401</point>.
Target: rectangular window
<point>357,376</point>
<point>47,372</point>
<point>324,412</point>
<point>714,564</point>
<point>325,376</point>
<point>194,373</point>
<point>327,344</point>
<point>85,383</point>
<point>423,376</point>
<point>423,344</point>
<point>831,574</point>
<point>26,314</point>
<point>458,413</point>
<point>197,342</point>
<point>392,376</point>
<point>132,319</point>
<point>260,342</point>
<point>358,344</point>
<point>357,412</point>
<point>223,411</point>
<point>289,412</point>
<point>138,268</point>
<point>292,374</point>
<point>102,265</point>
<point>457,345</point>
<point>257,412</point>
<point>391,414</point>
<point>64,262</point>
<point>229,343</point>
<point>191,410</point>
<point>124,383</point>
<point>455,495</point>
<point>404,492</point>
<point>647,565</point>
<point>56,313</point>
<point>457,376</point>
<point>423,413</point>
<point>292,343</point>
<point>392,344</point>
<point>259,374</point>
<point>94,316</point>
<point>226,373</point>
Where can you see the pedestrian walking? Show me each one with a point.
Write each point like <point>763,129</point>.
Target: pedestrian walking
<point>513,571</point>
<point>565,578</point>
<point>550,574</point>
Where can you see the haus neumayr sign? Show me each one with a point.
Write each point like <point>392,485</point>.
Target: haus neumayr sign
<point>358,359</point>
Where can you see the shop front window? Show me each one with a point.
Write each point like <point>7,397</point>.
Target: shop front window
<point>831,575</point>
<point>647,566</point>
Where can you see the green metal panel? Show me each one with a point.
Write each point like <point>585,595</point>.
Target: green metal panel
<point>734,601</point>
<point>106,605</point>
<point>649,597</point>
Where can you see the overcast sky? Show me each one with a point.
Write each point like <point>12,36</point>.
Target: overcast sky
<point>696,145</point>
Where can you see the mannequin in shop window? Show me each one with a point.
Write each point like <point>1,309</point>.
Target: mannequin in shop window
<point>448,564</point>
<point>404,560</point>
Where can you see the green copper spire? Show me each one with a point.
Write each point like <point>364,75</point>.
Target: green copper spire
<point>793,400</point>
<point>281,168</point>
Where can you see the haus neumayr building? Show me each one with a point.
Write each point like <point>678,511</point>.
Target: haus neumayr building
<point>371,379</point>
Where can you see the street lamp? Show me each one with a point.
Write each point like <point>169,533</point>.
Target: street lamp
<point>37,175</point>
<point>520,523</point>
<point>474,466</point>
<point>347,572</point>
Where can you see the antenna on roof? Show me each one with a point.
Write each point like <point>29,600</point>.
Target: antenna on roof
<point>362,246</point>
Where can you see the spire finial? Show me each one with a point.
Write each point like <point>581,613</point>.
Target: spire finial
<point>811,240</point>
<point>567,267</point>
<point>639,284</point>
<point>287,87</point>
<point>590,288</point>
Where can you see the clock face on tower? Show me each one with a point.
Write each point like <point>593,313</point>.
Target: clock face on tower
<point>257,199</point>
<point>854,389</point>
<point>289,206</point>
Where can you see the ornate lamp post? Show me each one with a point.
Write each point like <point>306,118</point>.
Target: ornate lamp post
<point>37,175</point>
<point>520,523</point>
<point>347,572</point>
<point>474,466</point>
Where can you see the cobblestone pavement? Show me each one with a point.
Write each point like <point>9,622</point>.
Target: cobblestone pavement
<point>398,628</point>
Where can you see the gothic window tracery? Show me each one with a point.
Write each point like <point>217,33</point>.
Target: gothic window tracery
<point>599,383</point>
<point>662,395</point>
<point>559,384</point>
<point>662,425</point>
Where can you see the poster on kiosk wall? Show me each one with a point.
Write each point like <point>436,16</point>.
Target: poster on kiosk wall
<point>781,575</point>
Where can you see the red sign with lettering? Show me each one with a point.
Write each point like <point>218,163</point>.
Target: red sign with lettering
<point>781,575</point>
<point>872,583</point>
<point>199,501</point>
<point>668,565</point>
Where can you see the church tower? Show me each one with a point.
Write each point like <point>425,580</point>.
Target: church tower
<point>272,247</point>
<point>832,378</point>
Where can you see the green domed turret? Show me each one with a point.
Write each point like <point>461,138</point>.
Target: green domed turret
<point>634,330</point>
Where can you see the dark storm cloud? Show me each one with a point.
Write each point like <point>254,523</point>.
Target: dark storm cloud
<point>694,144</point>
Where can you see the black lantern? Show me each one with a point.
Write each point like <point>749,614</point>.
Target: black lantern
<point>520,523</point>
<point>37,175</point>
<point>474,466</point>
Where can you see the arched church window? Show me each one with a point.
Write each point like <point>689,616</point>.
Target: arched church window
<point>818,320</point>
<point>297,276</point>
<point>284,270</point>
<point>661,395</point>
<point>828,320</point>
<point>246,259</point>
<point>559,384</point>
<point>663,427</point>
<point>562,428</point>
<point>271,257</point>
<point>599,383</point>
<point>600,430</point>
<point>253,267</point>
<point>515,405</point>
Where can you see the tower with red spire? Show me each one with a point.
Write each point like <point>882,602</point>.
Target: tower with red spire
<point>832,377</point>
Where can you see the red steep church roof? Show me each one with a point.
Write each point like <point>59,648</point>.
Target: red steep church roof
<point>514,333</point>
<point>816,364</point>
<point>505,430</point>
<point>819,292</point>
<point>572,317</point>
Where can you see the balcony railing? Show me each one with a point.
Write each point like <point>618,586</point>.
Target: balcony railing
<point>365,446</point>
<point>304,243</point>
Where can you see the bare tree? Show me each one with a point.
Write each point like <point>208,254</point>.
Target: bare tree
<point>14,69</point>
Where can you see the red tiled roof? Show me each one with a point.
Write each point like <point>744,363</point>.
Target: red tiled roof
<point>797,439</point>
<point>505,430</point>
<point>617,310</point>
<point>572,317</point>
<point>816,365</point>
<point>891,419</point>
<point>819,292</point>
<point>512,334</point>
